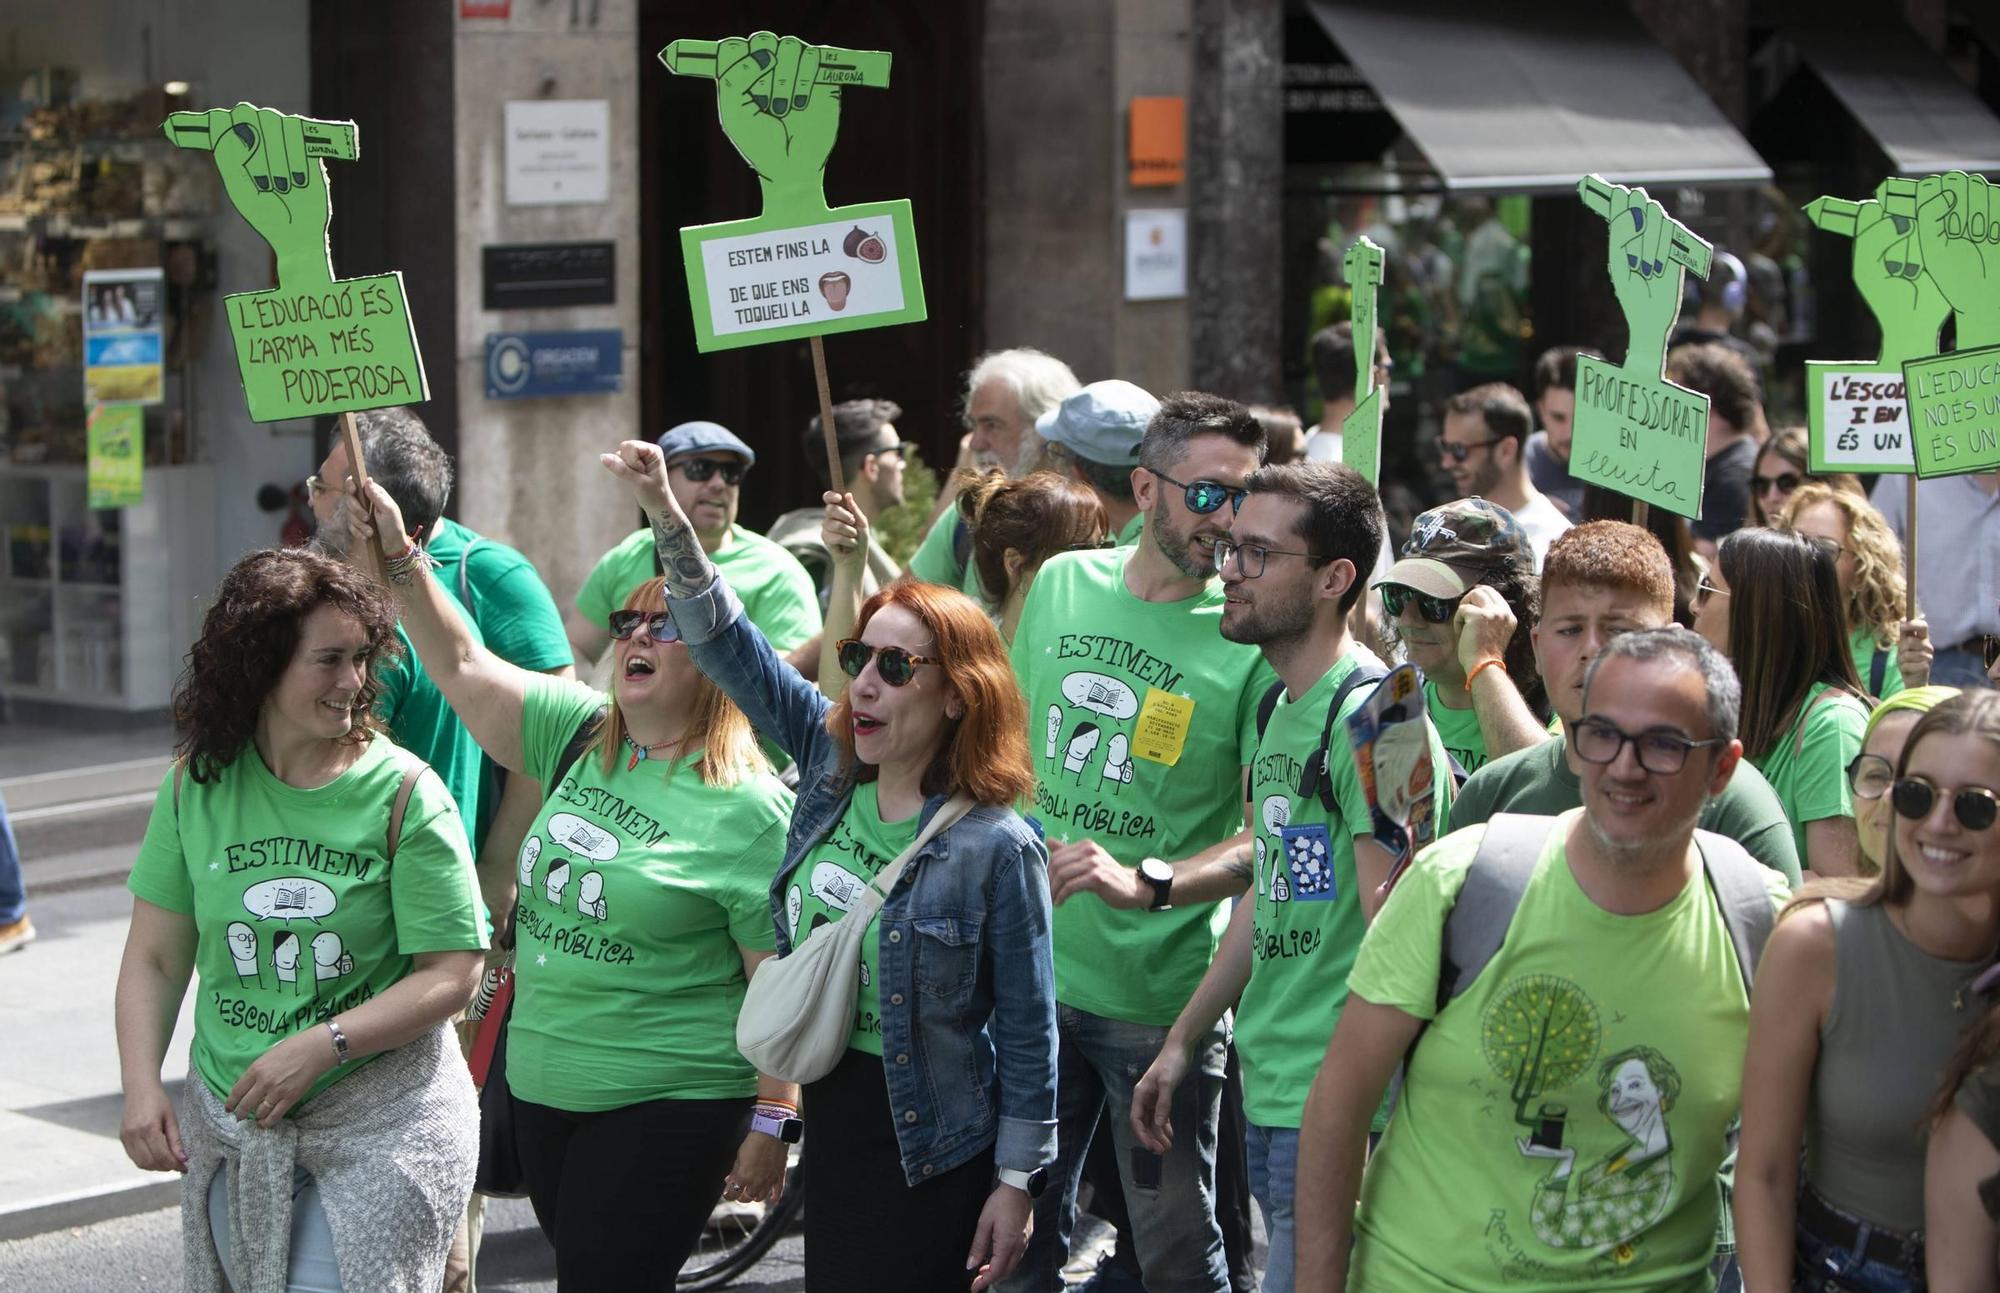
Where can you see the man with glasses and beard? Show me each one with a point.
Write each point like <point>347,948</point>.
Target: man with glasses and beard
<point>1143,723</point>
<point>1578,1064</point>
<point>1291,571</point>
<point>706,464</point>
<point>1483,446</point>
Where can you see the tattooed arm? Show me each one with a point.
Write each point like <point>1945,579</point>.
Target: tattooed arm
<point>644,468</point>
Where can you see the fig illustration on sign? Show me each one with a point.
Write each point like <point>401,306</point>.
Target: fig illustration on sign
<point>1856,416</point>
<point>1361,432</point>
<point>1636,432</point>
<point>800,268</point>
<point>314,344</point>
<point>1954,399</point>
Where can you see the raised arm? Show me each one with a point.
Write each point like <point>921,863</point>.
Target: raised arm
<point>484,691</point>
<point>845,533</point>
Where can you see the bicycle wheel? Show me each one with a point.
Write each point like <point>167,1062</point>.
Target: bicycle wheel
<point>732,1243</point>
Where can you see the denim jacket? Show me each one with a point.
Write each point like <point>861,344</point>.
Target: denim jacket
<point>967,977</point>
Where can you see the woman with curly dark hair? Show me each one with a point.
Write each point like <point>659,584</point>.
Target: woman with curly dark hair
<point>320,884</point>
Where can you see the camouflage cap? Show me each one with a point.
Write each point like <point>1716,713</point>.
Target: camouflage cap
<point>1457,546</point>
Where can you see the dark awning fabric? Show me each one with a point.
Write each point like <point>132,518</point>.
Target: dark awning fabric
<point>1528,95</point>
<point>1901,93</point>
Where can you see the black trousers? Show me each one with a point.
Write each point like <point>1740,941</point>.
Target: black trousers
<point>867,1231</point>
<point>623,1194</point>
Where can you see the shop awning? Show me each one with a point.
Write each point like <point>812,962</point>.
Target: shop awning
<point>1902,95</point>
<point>1529,95</point>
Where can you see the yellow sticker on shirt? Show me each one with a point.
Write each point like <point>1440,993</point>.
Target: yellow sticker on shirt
<point>1163,727</point>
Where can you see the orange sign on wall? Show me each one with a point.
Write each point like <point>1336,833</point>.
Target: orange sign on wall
<point>1159,142</point>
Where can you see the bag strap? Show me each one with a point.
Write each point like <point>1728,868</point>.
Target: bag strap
<point>1317,779</point>
<point>465,576</point>
<point>402,802</point>
<point>579,741</point>
<point>1831,693</point>
<point>1494,883</point>
<point>948,813</point>
<point>1741,892</point>
<point>1268,706</point>
<point>1878,669</point>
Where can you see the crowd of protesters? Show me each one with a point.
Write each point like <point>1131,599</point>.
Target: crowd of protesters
<point>1692,990</point>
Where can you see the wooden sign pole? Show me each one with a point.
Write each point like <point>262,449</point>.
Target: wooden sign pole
<point>355,466</point>
<point>1910,545</point>
<point>826,417</point>
<point>1642,512</point>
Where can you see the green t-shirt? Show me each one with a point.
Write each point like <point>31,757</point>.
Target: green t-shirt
<point>1141,718</point>
<point>513,611</point>
<point>299,913</point>
<point>1458,729</point>
<point>638,887</point>
<point>829,878</point>
<point>422,722</point>
<point>936,561</point>
<point>1810,775</point>
<point>1538,780</point>
<point>777,593</point>
<point>1133,529</point>
<point>1617,1041</point>
<point>1861,645</point>
<point>1308,917</point>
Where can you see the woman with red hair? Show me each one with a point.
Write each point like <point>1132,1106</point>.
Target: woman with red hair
<point>931,1135</point>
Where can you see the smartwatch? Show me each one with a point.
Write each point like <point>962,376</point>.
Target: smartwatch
<point>1161,876</point>
<point>787,1129</point>
<point>1029,1183</point>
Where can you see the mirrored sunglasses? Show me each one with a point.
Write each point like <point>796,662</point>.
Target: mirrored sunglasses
<point>659,625</point>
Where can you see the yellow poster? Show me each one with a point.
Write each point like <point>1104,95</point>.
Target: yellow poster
<point>116,434</point>
<point>1163,727</point>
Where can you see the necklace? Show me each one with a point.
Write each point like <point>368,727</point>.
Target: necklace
<point>641,753</point>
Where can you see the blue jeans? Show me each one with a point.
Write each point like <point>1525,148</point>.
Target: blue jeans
<point>13,896</point>
<point>1171,1197</point>
<point>1958,667</point>
<point>1819,1267</point>
<point>1274,1166</point>
<point>311,1267</point>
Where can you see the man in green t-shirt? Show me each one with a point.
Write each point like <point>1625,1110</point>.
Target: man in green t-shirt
<point>1142,721</point>
<point>1004,393</point>
<point>1293,568</point>
<point>706,464</point>
<point>1458,597</point>
<point>1564,1114</point>
<point>1600,580</point>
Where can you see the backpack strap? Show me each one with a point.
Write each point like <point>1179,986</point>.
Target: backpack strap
<point>1494,883</point>
<point>961,541</point>
<point>1741,892</point>
<point>1317,779</point>
<point>1878,670</point>
<point>402,802</point>
<point>465,576</point>
<point>1831,693</point>
<point>586,732</point>
<point>1268,706</point>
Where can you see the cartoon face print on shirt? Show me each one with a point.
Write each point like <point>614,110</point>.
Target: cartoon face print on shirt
<point>243,951</point>
<point>1077,752</point>
<point>1118,762</point>
<point>330,959</point>
<point>1110,701</point>
<point>299,903</point>
<point>569,832</point>
<point>531,849</point>
<point>590,895</point>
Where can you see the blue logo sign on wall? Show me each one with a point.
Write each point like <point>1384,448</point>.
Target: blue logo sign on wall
<point>521,365</point>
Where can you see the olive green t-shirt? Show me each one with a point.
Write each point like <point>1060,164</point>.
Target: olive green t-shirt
<point>936,560</point>
<point>1809,774</point>
<point>830,877</point>
<point>777,593</point>
<point>1141,719</point>
<point>639,886</point>
<point>299,912</point>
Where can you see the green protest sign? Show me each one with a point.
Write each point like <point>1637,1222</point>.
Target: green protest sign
<point>1637,432</point>
<point>799,269</point>
<point>115,443</point>
<point>1954,399</point>
<point>1856,416</point>
<point>314,344</point>
<point>1361,431</point>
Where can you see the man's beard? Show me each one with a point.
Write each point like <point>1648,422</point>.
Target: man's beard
<point>1275,625</point>
<point>1179,547</point>
<point>1484,479</point>
<point>1641,855</point>
<point>330,538</point>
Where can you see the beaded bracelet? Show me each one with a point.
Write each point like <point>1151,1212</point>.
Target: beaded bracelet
<point>403,567</point>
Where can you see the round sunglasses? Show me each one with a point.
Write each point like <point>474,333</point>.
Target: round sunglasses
<point>1438,610</point>
<point>700,469</point>
<point>659,625</point>
<point>1975,806</point>
<point>1205,496</point>
<point>893,664</point>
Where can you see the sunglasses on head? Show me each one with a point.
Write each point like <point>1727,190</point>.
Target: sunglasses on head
<point>1974,806</point>
<point>1783,482</point>
<point>700,469</point>
<point>1205,496</point>
<point>659,625</point>
<point>893,664</point>
<point>1438,610</point>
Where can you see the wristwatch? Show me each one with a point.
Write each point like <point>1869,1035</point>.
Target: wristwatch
<point>787,1129</point>
<point>1161,876</point>
<point>1029,1183</point>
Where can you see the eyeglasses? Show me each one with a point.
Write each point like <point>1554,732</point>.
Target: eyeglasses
<point>1438,610</point>
<point>1108,541</point>
<point>894,665</point>
<point>1597,740</point>
<point>1205,496</point>
<point>1974,806</point>
<point>1784,483</point>
<point>700,469</point>
<point>1870,776</point>
<point>314,487</point>
<point>1250,557</point>
<point>1703,590</point>
<point>660,625</point>
<point>1452,451</point>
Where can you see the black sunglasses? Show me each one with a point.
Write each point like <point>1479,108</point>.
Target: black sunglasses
<point>1453,452</point>
<point>1205,496</point>
<point>1438,610</point>
<point>659,625</point>
<point>700,469</point>
<point>1974,806</point>
<point>1783,482</point>
<point>895,665</point>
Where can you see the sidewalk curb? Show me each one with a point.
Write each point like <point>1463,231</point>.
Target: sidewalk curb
<point>88,1207</point>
